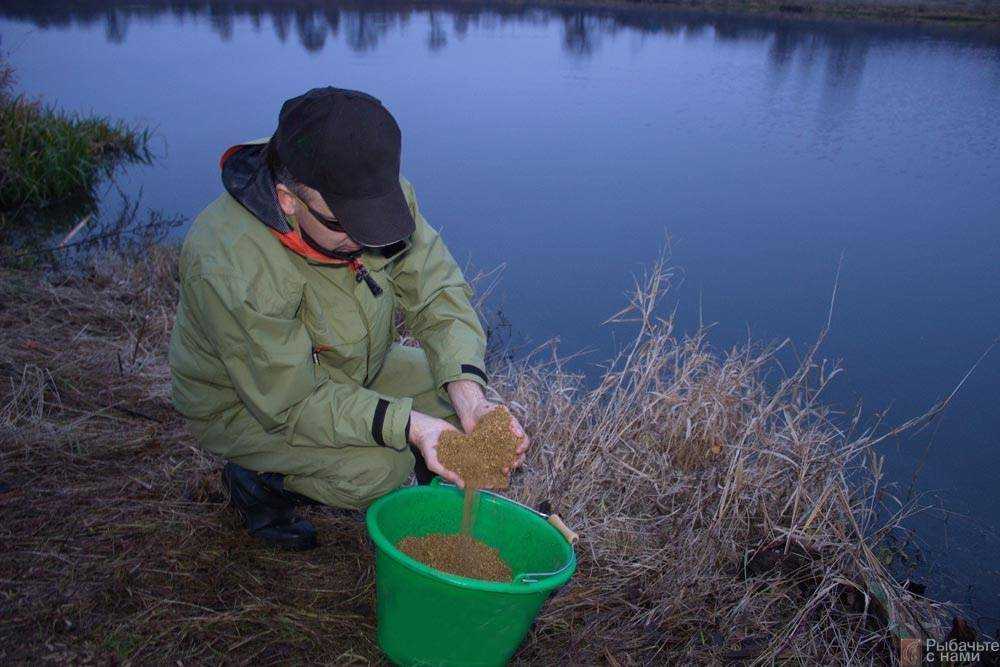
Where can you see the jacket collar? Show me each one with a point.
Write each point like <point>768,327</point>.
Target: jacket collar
<point>246,177</point>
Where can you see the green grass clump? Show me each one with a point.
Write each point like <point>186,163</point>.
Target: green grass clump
<point>48,156</point>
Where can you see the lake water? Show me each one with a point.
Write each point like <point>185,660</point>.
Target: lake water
<point>567,144</point>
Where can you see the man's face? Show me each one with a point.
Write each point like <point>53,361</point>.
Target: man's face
<point>292,204</point>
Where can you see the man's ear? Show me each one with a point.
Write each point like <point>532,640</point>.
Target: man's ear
<point>286,200</point>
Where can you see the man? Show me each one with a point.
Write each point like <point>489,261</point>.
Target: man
<point>283,356</point>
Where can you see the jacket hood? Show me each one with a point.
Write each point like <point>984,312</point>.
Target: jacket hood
<point>246,177</point>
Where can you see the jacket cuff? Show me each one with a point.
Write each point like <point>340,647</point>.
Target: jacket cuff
<point>469,371</point>
<point>390,421</point>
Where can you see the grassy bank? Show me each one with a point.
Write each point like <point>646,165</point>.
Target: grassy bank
<point>723,518</point>
<point>48,156</point>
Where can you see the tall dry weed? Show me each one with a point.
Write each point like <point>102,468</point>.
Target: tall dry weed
<point>726,515</point>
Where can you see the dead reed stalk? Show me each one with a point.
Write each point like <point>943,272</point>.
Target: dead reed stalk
<point>726,515</point>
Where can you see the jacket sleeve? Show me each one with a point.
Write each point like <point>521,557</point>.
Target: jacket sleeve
<point>435,299</point>
<point>269,361</point>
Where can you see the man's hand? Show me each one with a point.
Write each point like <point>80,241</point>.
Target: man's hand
<point>471,404</point>
<point>424,434</point>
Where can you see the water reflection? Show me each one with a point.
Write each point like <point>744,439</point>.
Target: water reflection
<point>582,32</point>
<point>365,24</point>
<point>766,145</point>
<point>844,51</point>
<point>437,37</point>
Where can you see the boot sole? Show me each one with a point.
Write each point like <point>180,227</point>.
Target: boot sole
<point>296,544</point>
<point>290,545</point>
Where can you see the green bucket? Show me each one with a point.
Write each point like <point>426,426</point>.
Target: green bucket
<point>430,617</point>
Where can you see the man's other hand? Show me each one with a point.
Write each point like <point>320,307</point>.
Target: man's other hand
<point>425,431</point>
<point>471,404</point>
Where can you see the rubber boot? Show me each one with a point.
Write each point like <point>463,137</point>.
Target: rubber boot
<point>275,481</point>
<point>266,514</point>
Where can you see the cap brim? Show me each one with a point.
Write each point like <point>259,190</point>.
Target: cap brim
<point>376,221</point>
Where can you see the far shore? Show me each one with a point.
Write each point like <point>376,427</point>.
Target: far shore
<point>984,13</point>
<point>969,15</point>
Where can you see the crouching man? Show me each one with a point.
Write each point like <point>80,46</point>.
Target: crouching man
<point>283,357</point>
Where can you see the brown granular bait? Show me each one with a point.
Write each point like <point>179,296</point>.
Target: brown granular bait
<point>458,554</point>
<point>479,458</point>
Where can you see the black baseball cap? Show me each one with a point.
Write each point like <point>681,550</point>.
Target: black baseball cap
<point>346,145</point>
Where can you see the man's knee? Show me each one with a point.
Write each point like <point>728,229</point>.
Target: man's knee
<point>357,483</point>
<point>388,471</point>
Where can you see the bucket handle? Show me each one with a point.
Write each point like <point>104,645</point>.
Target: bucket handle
<point>571,536</point>
<point>553,519</point>
<point>535,577</point>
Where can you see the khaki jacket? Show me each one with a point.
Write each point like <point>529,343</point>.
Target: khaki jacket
<point>295,340</point>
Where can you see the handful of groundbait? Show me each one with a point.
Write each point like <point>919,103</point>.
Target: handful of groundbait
<point>480,457</point>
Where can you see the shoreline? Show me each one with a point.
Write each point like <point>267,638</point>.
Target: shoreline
<point>968,14</point>
<point>754,519</point>
<point>895,12</point>
<point>719,514</point>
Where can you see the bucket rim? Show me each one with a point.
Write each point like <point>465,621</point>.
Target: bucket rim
<point>543,585</point>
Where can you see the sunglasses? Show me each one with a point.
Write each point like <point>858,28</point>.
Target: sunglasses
<point>328,222</point>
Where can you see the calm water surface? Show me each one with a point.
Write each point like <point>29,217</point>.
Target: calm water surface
<point>567,144</point>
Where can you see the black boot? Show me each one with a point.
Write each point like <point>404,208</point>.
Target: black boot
<point>276,482</point>
<point>266,514</point>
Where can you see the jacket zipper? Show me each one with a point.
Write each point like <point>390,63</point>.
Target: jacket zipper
<point>317,349</point>
<point>361,273</point>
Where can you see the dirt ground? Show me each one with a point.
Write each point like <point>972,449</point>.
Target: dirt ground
<point>718,523</point>
<point>117,545</point>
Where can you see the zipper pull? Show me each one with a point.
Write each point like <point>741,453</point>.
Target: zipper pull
<point>361,273</point>
<point>317,349</point>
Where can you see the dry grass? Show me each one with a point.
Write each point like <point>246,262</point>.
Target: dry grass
<point>724,518</point>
